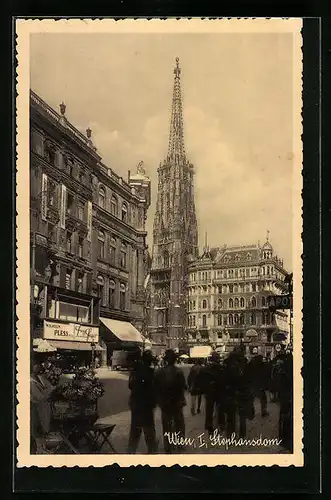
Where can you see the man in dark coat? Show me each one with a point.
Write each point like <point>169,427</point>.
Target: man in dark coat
<point>286,400</point>
<point>238,397</point>
<point>258,377</point>
<point>213,386</point>
<point>142,403</point>
<point>194,386</point>
<point>170,387</point>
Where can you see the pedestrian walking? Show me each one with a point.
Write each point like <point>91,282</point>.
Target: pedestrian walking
<point>258,377</point>
<point>170,387</point>
<point>212,379</point>
<point>142,403</point>
<point>194,386</point>
<point>239,401</point>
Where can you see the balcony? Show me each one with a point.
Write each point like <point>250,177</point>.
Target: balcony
<point>73,223</point>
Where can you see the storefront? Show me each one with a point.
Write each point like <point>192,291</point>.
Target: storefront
<point>74,343</point>
<point>121,335</point>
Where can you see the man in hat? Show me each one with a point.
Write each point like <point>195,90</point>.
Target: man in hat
<point>170,387</point>
<point>213,386</point>
<point>142,403</point>
<point>258,377</point>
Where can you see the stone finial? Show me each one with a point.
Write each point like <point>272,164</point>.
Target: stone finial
<point>88,133</point>
<point>62,108</point>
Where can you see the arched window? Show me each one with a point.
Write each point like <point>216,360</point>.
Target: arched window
<point>236,302</point>
<point>263,301</point>
<point>219,320</point>
<point>122,297</point>
<point>230,303</point>
<point>241,319</point>
<point>225,320</point>
<point>204,304</point>
<point>193,320</point>
<point>102,197</point>
<point>101,244</point>
<point>253,302</point>
<point>124,212</point>
<point>220,303</point>
<point>112,289</point>
<point>112,251</point>
<point>204,320</point>
<point>114,205</point>
<point>124,251</point>
<point>254,287</point>
<point>236,319</point>
<point>190,321</point>
<point>242,302</point>
<point>253,319</point>
<point>101,289</point>
<point>230,319</point>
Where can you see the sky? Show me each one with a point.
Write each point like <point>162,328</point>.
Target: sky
<point>237,103</point>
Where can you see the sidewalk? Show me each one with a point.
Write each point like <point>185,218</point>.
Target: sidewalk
<point>266,427</point>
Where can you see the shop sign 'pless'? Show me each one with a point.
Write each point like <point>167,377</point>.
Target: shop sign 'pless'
<point>70,331</point>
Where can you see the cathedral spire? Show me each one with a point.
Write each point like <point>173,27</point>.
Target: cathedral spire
<point>176,137</point>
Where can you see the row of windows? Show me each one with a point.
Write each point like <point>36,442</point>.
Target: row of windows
<point>231,288</point>
<point>112,250</point>
<point>116,210</point>
<point>232,273</point>
<point>232,303</point>
<point>233,319</point>
<point>110,299</point>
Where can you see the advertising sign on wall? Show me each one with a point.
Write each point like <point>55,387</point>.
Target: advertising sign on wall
<point>70,331</point>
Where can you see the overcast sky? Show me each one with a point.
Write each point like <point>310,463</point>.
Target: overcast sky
<point>237,99</point>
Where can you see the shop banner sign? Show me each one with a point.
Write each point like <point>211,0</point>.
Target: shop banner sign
<point>63,206</point>
<point>70,331</point>
<point>44,183</point>
<point>89,221</point>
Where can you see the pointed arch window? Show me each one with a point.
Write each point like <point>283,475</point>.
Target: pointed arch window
<point>204,321</point>
<point>236,319</point>
<point>220,303</point>
<point>102,197</point>
<point>101,244</point>
<point>112,290</point>
<point>231,303</point>
<point>114,205</point>
<point>204,304</point>
<point>230,319</point>
<point>241,319</point>
<point>253,302</point>
<point>236,302</point>
<point>242,302</point>
<point>124,212</point>
<point>253,319</point>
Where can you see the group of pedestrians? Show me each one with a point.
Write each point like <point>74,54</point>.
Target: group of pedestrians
<point>229,388</point>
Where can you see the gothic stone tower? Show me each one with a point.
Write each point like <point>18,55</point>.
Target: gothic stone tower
<point>175,235</point>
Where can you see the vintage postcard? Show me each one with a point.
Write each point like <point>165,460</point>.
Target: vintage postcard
<point>159,220</point>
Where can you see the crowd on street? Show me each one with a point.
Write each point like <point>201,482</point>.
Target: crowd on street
<point>229,387</point>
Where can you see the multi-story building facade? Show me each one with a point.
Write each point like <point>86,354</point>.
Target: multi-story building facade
<point>227,300</point>
<point>175,235</point>
<point>88,236</point>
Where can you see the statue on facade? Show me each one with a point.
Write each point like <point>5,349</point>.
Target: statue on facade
<point>140,168</point>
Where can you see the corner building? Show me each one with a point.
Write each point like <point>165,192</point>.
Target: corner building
<point>175,235</point>
<point>87,238</point>
<point>228,289</point>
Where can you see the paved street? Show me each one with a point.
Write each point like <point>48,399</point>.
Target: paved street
<point>113,408</point>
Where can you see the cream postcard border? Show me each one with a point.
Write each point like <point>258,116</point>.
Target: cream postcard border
<point>25,27</point>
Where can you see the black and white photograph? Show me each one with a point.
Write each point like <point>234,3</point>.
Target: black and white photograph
<point>159,242</point>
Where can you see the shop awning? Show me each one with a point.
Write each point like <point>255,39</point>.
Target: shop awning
<point>75,346</point>
<point>123,330</point>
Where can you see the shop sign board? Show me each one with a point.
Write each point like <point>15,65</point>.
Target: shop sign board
<point>70,331</point>
<point>280,301</point>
